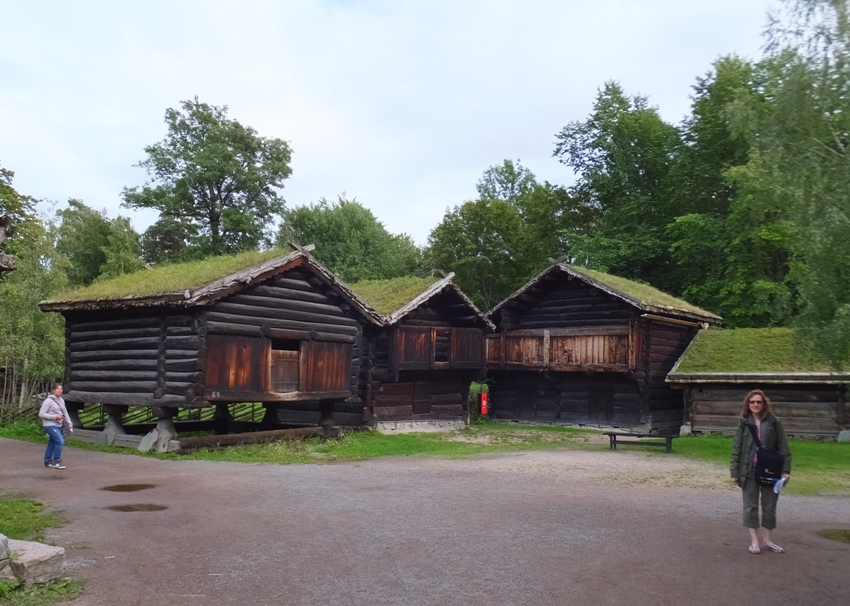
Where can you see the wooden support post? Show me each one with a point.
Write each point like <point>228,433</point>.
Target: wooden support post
<point>326,413</point>
<point>841,406</point>
<point>164,427</point>
<point>114,424</point>
<point>270,418</point>
<point>222,418</point>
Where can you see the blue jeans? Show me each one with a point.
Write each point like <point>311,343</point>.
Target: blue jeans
<point>55,442</point>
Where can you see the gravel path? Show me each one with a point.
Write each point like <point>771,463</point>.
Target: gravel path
<point>554,527</point>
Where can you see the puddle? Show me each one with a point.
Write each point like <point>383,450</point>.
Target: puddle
<point>138,507</point>
<point>836,534</point>
<point>128,487</point>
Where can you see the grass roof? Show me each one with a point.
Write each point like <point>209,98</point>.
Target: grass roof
<point>749,350</point>
<point>642,292</point>
<point>386,296</point>
<point>168,278</point>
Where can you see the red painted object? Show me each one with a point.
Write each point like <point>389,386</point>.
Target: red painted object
<point>485,409</point>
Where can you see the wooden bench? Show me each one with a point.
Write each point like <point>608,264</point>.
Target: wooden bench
<point>613,436</point>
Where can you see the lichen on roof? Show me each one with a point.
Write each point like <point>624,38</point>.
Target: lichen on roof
<point>644,293</point>
<point>386,296</point>
<point>748,350</point>
<point>165,279</point>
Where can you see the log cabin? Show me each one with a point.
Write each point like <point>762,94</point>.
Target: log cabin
<point>256,327</point>
<point>431,348</point>
<point>264,327</point>
<point>578,346</point>
<point>721,366</point>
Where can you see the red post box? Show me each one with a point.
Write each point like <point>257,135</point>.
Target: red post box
<point>485,409</point>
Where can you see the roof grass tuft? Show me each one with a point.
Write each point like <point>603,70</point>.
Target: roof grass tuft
<point>642,292</point>
<point>749,350</point>
<point>165,279</point>
<point>387,296</point>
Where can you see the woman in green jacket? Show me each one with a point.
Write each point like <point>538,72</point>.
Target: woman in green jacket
<point>757,411</point>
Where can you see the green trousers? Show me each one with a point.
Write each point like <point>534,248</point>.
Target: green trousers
<point>752,491</point>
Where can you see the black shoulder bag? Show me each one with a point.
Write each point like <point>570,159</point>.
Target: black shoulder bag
<point>769,463</point>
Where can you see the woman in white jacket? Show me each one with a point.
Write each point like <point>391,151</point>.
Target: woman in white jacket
<point>54,416</point>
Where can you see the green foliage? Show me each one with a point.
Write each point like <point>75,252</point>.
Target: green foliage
<point>82,236</point>
<point>48,593</point>
<point>622,155</point>
<point>25,519</point>
<point>749,350</point>
<point>121,251</point>
<point>166,241</point>
<point>217,177</point>
<point>350,240</point>
<point>169,278</point>
<point>496,243</point>
<point>387,296</point>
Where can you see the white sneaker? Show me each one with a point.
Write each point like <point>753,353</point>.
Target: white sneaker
<point>57,465</point>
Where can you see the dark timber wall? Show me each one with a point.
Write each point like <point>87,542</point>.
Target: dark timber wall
<point>804,409</point>
<point>421,367</point>
<point>569,352</point>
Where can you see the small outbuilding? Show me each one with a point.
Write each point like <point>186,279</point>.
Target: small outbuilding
<point>579,346</point>
<point>429,350</point>
<point>721,366</point>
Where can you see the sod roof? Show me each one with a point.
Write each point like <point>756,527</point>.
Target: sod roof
<point>387,296</point>
<point>748,350</point>
<point>167,279</point>
<point>642,296</point>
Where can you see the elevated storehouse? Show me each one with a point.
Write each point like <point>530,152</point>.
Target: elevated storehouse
<point>257,327</point>
<point>721,366</point>
<point>582,347</point>
<point>431,347</point>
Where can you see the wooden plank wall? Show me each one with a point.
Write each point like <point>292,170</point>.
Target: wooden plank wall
<point>574,398</point>
<point>803,409</point>
<point>133,359</point>
<point>423,395</point>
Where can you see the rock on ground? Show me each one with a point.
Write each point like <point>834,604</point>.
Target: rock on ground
<point>36,562</point>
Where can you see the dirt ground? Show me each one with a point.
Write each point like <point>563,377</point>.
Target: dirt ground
<point>555,527</point>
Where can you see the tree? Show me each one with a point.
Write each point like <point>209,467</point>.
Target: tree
<point>350,240</point>
<point>508,181</point>
<point>216,176</point>
<point>82,235</point>
<point>622,155</point>
<point>121,251</point>
<point>14,208</point>
<point>480,241</point>
<point>166,241</point>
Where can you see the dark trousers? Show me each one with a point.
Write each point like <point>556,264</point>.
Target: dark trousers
<point>753,491</point>
<point>55,442</point>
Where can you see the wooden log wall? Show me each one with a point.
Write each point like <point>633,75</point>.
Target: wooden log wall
<point>406,381</point>
<point>564,303</point>
<point>664,344</point>
<point>134,359</point>
<point>294,307</point>
<point>575,398</point>
<point>803,409</point>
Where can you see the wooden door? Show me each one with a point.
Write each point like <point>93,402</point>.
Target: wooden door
<point>600,405</point>
<point>284,367</point>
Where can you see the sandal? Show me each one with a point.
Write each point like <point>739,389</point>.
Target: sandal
<point>755,549</point>
<point>773,547</point>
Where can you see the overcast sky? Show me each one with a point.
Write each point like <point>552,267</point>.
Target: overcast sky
<point>400,104</point>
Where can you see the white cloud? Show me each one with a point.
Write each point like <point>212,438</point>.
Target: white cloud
<point>401,104</point>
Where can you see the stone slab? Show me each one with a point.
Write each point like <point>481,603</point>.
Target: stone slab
<point>396,427</point>
<point>6,574</point>
<point>4,547</point>
<point>844,436</point>
<point>36,562</point>
<point>149,441</point>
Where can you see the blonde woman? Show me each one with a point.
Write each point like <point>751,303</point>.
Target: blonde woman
<point>756,411</point>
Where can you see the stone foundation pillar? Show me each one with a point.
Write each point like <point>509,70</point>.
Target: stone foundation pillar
<point>114,424</point>
<point>326,413</point>
<point>74,409</point>
<point>165,427</point>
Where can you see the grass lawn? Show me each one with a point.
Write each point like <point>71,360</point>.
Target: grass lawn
<point>26,520</point>
<point>818,467</point>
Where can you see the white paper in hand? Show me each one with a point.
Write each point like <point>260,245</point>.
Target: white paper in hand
<point>778,485</point>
